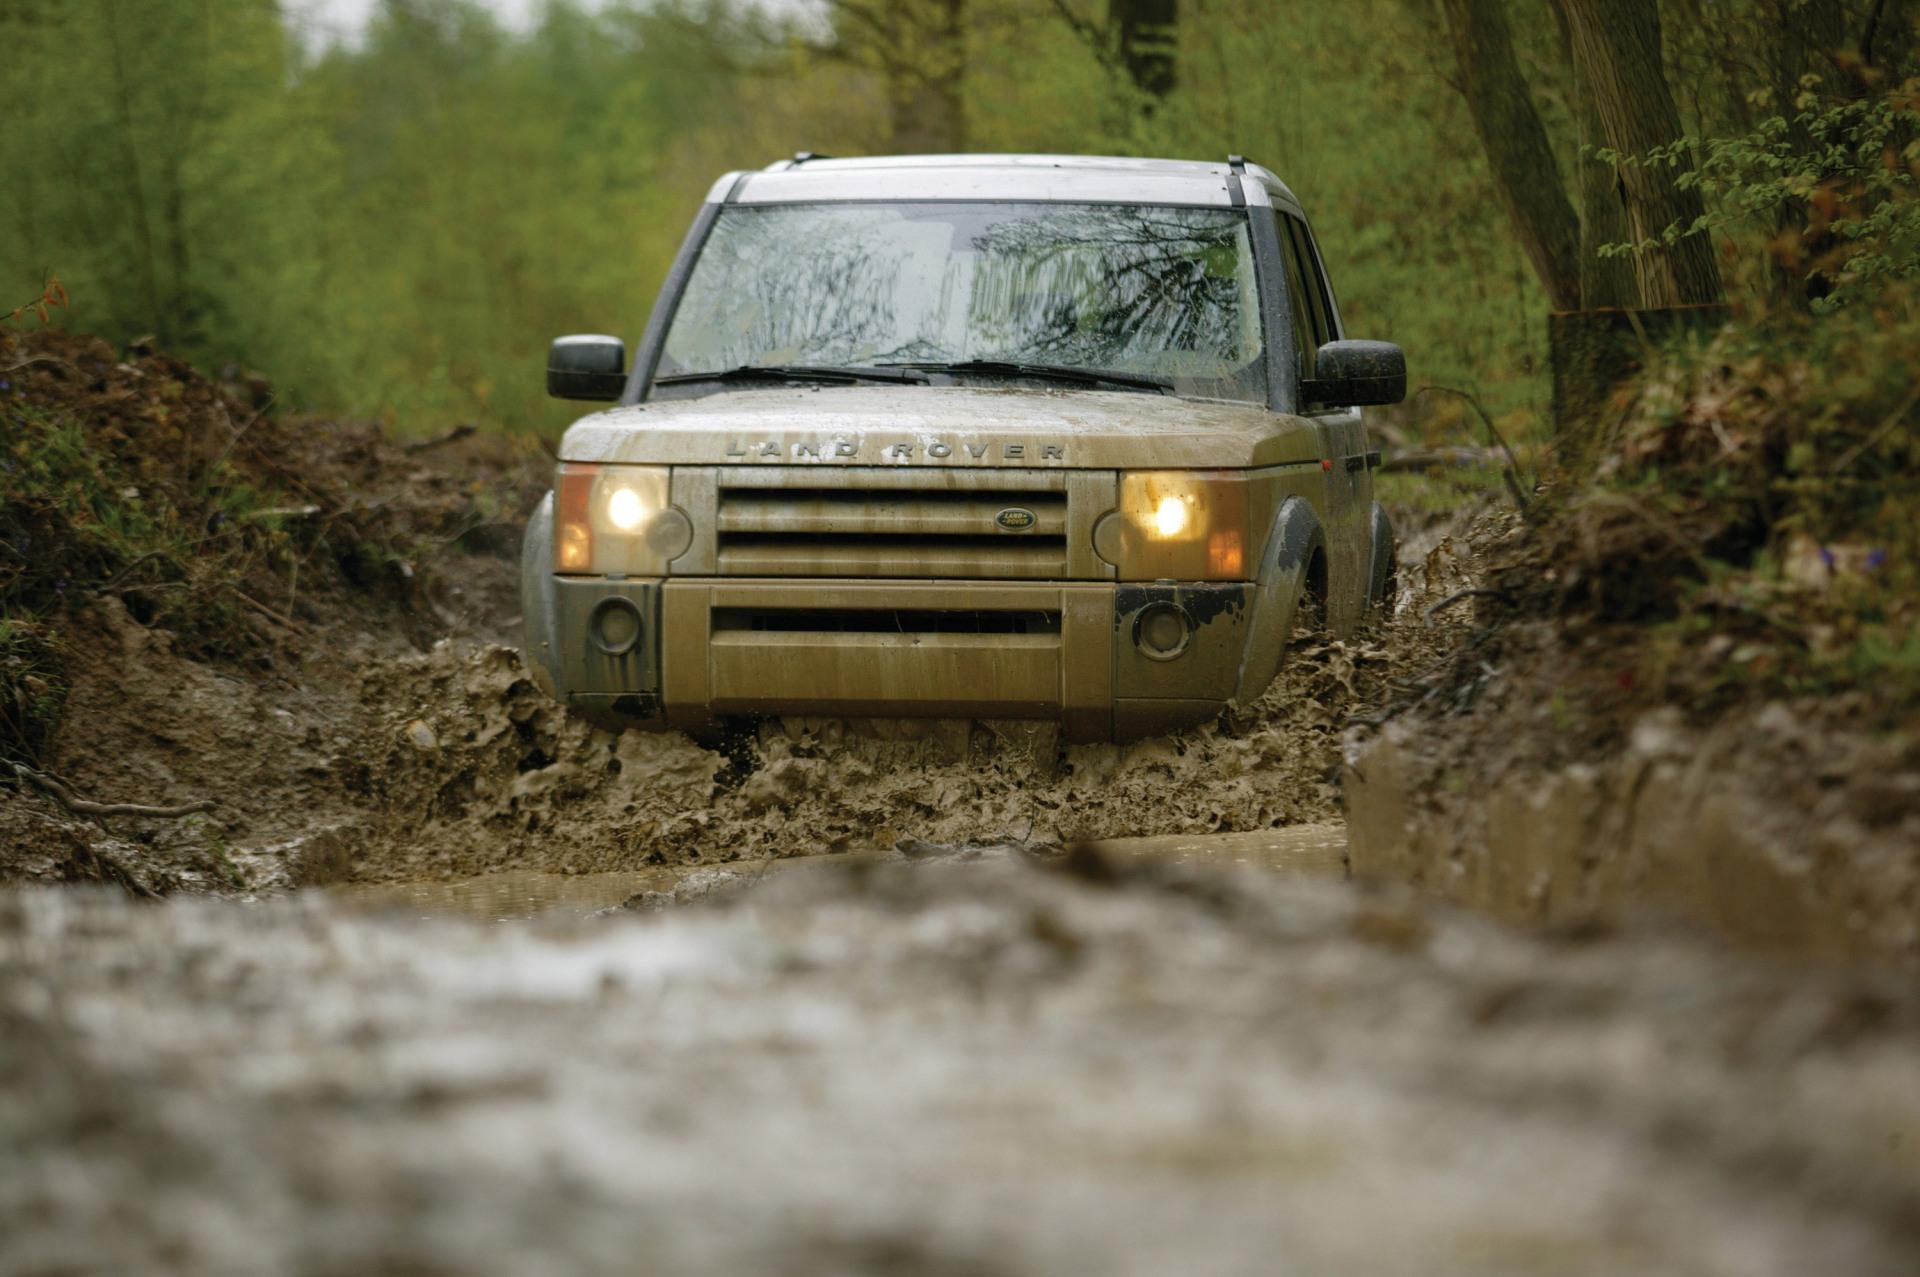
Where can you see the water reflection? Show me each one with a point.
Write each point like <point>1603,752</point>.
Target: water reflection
<point>1166,293</point>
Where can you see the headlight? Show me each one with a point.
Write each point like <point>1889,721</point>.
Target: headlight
<point>615,521</point>
<point>1180,525</point>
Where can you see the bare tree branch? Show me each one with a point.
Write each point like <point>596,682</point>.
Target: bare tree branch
<point>84,807</point>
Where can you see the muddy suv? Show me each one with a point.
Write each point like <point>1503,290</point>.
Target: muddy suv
<point>964,437</point>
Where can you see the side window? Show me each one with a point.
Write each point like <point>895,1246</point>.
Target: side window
<point>1322,304</point>
<point>1300,308</point>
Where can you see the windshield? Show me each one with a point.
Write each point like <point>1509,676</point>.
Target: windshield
<point>1153,292</point>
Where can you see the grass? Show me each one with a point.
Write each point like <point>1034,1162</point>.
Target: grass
<point>32,688</point>
<point>1440,490</point>
<point>81,514</point>
<point>86,513</point>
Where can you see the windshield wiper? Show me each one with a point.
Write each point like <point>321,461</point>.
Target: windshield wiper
<point>1049,372</point>
<point>842,375</point>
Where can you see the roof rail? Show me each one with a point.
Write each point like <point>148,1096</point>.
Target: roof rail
<point>799,158</point>
<point>1236,169</point>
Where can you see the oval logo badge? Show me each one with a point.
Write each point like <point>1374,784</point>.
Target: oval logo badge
<point>1015,519</point>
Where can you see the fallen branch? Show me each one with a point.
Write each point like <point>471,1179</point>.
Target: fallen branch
<point>1872,441</point>
<point>38,359</point>
<point>263,609</point>
<point>282,512</point>
<point>237,433</point>
<point>510,525</point>
<point>83,807</point>
<point>1417,460</point>
<point>1472,592</point>
<point>128,568</point>
<point>1486,418</point>
<point>454,435</point>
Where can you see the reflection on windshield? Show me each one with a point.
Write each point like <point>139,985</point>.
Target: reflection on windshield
<point>1166,293</point>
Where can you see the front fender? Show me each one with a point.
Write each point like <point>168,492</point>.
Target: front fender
<point>1296,536</point>
<point>537,601</point>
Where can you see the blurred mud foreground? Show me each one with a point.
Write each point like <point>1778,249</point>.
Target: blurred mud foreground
<point>971,1044</point>
<point>956,1064</point>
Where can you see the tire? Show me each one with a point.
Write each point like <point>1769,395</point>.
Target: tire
<point>1383,585</point>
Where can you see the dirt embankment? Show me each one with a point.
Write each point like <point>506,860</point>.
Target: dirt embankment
<point>356,711</point>
<point>1527,767</point>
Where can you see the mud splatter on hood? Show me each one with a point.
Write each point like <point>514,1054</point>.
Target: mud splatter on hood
<point>944,426</point>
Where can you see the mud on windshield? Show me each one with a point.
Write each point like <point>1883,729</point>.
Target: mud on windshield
<point>1165,293</point>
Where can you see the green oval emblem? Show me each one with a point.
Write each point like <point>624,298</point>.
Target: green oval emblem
<point>1015,519</point>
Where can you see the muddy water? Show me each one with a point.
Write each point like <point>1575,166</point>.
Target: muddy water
<point>961,1066</point>
<point>1295,851</point>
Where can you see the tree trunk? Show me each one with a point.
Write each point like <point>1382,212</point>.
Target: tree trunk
<point>1509,129</point>
<point>142,219</point>
<point>925,61</point>
<point>1616,45</point>
<point>1146,29</point>
<point>1605,282</point>
<point>925,115</point>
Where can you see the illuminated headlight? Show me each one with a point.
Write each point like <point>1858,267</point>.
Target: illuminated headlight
<point>626,509</point>
<point>615,520</point>
<point>1179,525</point>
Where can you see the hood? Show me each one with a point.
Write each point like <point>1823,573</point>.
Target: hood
<point>944,426</point>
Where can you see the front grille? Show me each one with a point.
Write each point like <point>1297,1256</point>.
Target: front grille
<point>892,531</point>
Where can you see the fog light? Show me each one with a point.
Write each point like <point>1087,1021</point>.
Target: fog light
<point>1162,630</point>
<point>615,626</point>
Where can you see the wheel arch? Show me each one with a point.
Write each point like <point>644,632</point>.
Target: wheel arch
<point>1295,544</point>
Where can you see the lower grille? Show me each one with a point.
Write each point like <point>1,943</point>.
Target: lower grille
<point>885,621</point>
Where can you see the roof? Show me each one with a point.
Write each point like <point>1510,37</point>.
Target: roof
<point>1092,179</point>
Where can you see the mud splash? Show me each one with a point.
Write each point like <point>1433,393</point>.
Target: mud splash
<point>374,762</point>
<point>479,772</point>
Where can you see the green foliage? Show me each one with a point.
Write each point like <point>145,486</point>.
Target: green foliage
<point>1757,502</point>
<point>32,689</point>
<point>1442,489</point>
<point>395,227</point>
<point>76,516</point>
<point>1831,191</point>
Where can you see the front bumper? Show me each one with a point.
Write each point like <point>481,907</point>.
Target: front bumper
<point>1106,661</point>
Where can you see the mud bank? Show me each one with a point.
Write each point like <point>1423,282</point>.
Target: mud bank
<point>1531,778</point>
<point>970,1068</point>
<point>1763,829</point>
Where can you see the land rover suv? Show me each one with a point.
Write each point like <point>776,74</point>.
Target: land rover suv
<point>964,437</point>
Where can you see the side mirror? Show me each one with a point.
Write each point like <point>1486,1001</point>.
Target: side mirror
<point>588,366</point>
<point>1352,374</point>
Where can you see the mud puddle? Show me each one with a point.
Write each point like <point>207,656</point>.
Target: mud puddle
<point>1314,851</point>
<point>956,1065</point>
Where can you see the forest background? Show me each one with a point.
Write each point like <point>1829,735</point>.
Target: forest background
<point>394,226</point>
